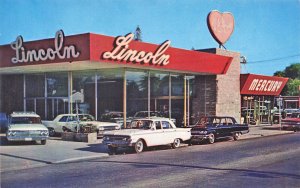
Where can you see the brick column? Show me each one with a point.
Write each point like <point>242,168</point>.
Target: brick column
<point>228,88</point>
<point>219,94</point>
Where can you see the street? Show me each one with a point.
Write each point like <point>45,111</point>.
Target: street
<point>263,162</point>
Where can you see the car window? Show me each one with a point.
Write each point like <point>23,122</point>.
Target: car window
<point>158,125</point>
<point>72,118</point>
<point>63,119</point>
<point>25,120</point>
<point>166,125</point>
<point>86,117</point>
<point>223,121</point>
<point>141,124</point>
<point>229,121</point>
<point>216,121</point>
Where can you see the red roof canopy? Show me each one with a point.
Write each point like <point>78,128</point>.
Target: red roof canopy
<point>91,47</point>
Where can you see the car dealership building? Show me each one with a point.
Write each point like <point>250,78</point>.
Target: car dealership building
<point>97,74</point>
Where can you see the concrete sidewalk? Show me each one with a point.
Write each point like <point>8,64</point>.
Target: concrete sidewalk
<point>259,131</point>
<point>23,155</point>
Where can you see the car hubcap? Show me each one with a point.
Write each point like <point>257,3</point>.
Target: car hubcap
<point>139,146</point>
<point>211,138</point>
<point>177,143</point>
<point>51,132</point>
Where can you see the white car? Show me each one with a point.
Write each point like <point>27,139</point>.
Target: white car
<point>147,132</point>
<point>70,122</point>
<point>26,126</point>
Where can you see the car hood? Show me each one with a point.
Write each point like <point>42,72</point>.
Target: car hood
<point>26,127</point>
<point>200,127</point>
<point>99,123</point>
<point>128,132</point>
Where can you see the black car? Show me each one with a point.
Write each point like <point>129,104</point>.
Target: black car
<point>215,127</point>
<point>3,122</point>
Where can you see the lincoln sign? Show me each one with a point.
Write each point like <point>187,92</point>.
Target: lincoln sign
<point>122,53</point>
<point>62,52</point>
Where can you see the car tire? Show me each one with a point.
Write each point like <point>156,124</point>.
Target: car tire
<point>236,136</point>
<point>43,142</point>
<point>139,146</point>
<point>176,143</point>
<point>51,132</point>
<point>65,129</point>
<point>211,138</point>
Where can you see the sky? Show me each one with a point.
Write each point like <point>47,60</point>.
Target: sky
<point>266,32</point>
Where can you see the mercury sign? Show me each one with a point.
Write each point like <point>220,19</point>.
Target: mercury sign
<point>265,85</point>
<point>60,51</point>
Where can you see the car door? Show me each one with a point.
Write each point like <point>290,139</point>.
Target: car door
<point>232,127</point>
<point>169,132</point>
<point>71,123</point>
<point>222,127</point>
<point>155,135</point>
<point>60,123</point>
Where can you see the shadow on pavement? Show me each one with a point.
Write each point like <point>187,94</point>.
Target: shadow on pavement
<point>26,158</point>
<point>247,172</point>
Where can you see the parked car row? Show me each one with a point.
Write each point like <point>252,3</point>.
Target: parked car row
<point>73,122</point>
<point>139,133</point>
<point>148,132</point>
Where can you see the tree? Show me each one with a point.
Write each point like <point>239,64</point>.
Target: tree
<point>293,73</point>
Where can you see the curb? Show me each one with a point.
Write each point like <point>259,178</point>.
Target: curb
<point>263,136</point>
<point>79,159</point>
<point>70,160</point>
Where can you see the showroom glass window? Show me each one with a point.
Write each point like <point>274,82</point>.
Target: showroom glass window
<point>83,92</point>
<point>159,92</point>
<point>35,93</point>
<point>57,94</point>
<point>109,91</point>
<point>137,91</point>
<point>177,98</point>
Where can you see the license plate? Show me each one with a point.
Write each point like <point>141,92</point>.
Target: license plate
<point>28,139</point>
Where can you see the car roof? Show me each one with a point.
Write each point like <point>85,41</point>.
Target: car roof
<point>218,117</point>
<point>73,114</point>
<point>152,118</point>
<point>24,114</point>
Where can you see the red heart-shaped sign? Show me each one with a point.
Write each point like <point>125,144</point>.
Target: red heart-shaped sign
<point>220,25</point>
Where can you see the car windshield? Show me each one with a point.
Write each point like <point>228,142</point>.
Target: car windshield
<point>145,114</point>
<point>209,121</point>
<point>111,115</point>
<point>86,117</point>
<point>25,120</point>
<point>141,124</point>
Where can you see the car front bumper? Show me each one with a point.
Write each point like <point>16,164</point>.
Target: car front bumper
<point>118,143</point>
<point>198,138</point>
<point>26,138</point>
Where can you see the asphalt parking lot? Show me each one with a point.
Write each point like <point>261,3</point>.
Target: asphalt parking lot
<point>23,155</point>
